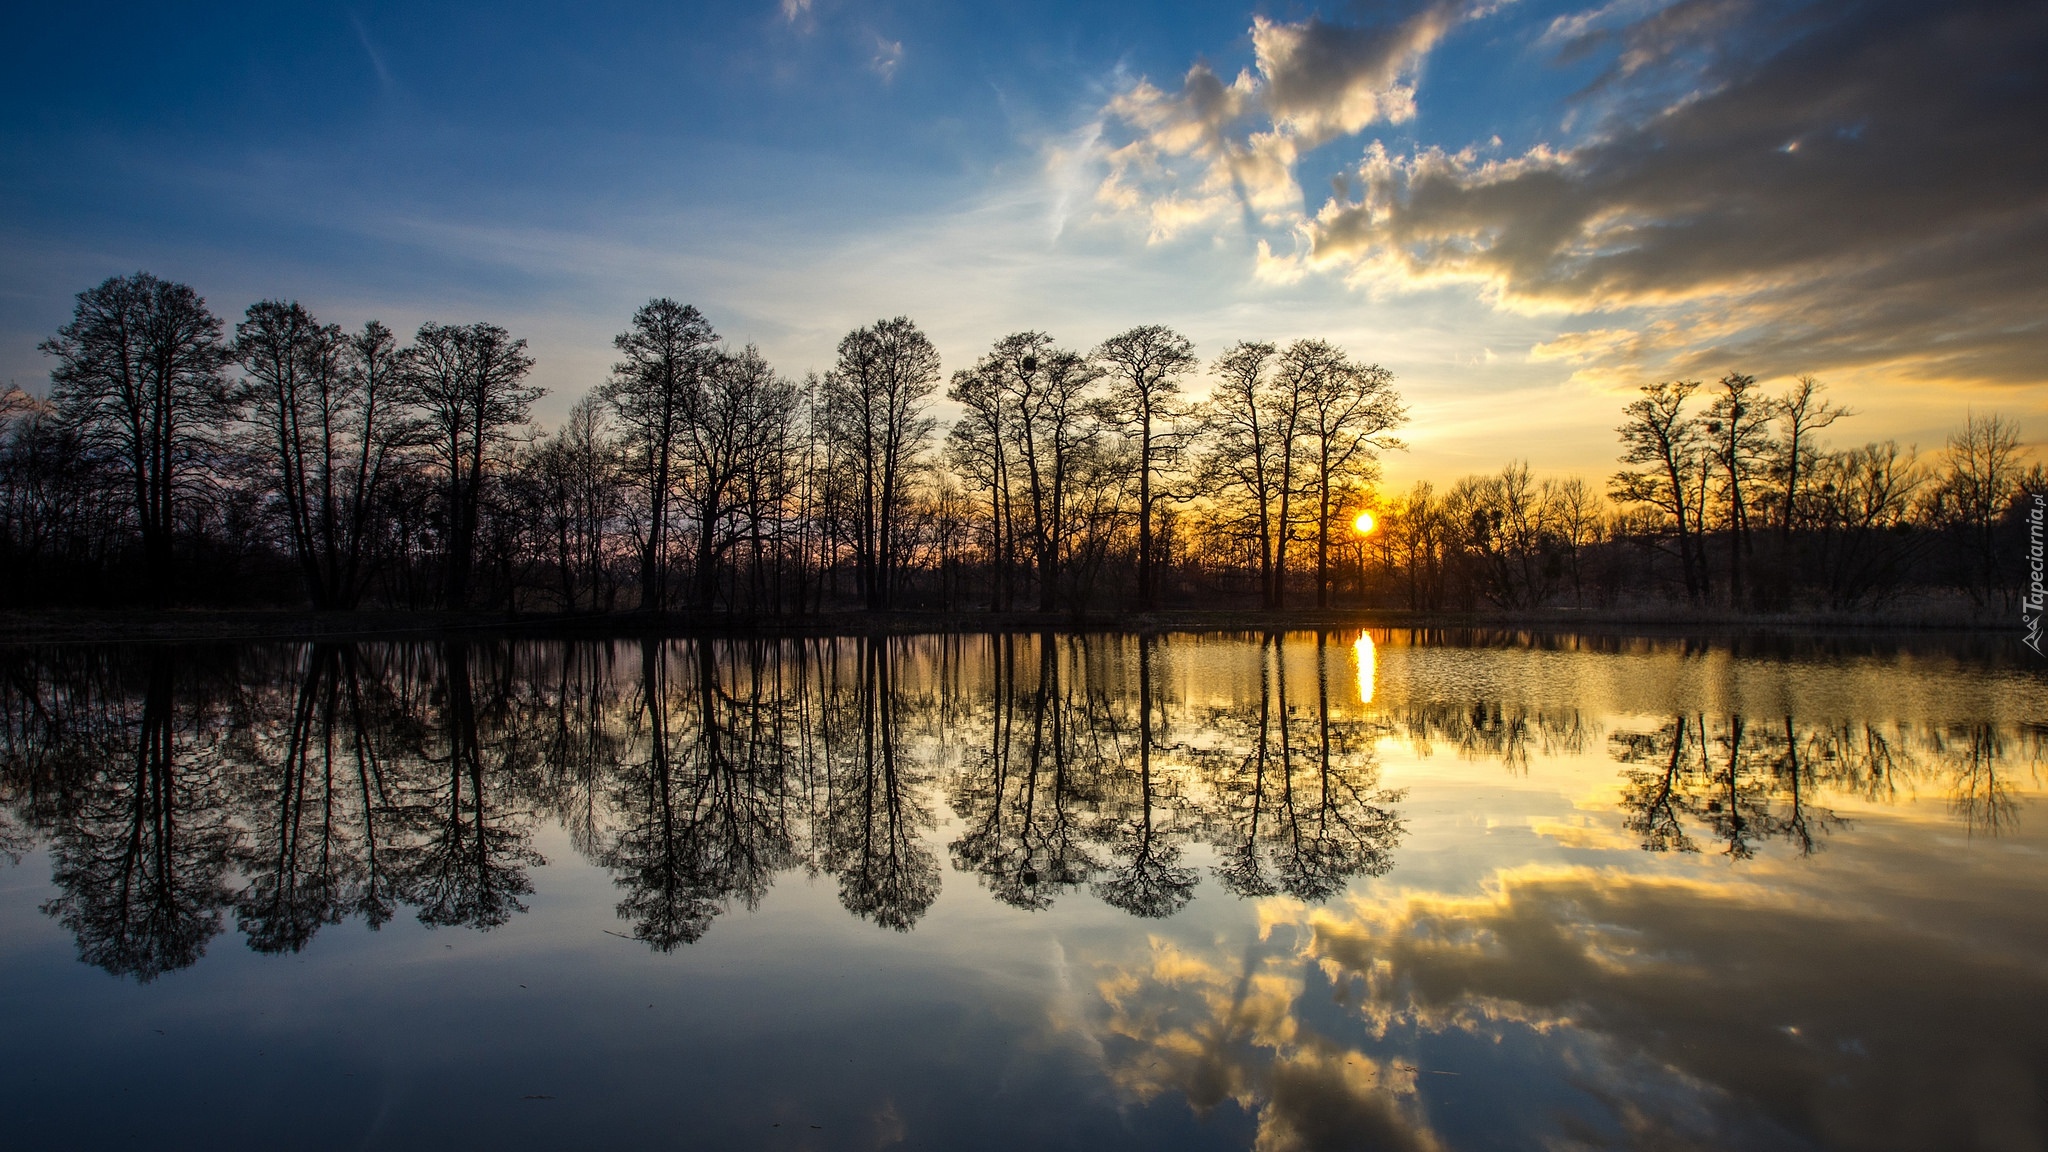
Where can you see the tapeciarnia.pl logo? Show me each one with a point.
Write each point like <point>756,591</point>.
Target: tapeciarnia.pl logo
<point>2037,595</point>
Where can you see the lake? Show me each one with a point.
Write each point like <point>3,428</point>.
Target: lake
<point>1401,890</point>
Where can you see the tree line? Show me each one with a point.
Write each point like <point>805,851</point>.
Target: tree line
<point>175,461</point>
<point>1726,499</point>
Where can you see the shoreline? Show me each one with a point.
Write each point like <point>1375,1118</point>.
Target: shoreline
<point>111,626</point>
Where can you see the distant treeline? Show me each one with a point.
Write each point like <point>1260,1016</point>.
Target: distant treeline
<point>174,462</point>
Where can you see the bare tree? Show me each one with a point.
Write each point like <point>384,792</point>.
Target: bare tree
<point>1739,421</point>
<point>1249,456</point>
<point>1861,516</point>
<point>1801,412</point>
<point>1144,366</point>
<point>978,449</point>
<point>738,415</point>
<point>139,375</point>
<point>1350,413</point>
<point>1665,444</point>
<point>874,400</point>
<point>578,472</point>
<point>465,382</point>
<point>1035,400</point>
<point>1978,479</point>
<point>320,402</point>
<point>1581,523</point>
<point>650,393</point>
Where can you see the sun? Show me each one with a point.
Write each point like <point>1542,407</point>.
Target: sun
<point>1364,524</point>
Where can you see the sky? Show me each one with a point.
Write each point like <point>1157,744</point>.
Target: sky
<point>1525,209</point>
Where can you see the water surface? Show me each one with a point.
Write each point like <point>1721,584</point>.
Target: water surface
<point>1197,891</point>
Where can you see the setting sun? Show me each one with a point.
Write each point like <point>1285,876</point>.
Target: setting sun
<point>1364,524</point>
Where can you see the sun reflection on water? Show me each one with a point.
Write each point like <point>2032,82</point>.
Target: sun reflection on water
<point>1368,666</point>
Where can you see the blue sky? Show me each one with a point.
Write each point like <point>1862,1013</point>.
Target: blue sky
<point>1543,204</point>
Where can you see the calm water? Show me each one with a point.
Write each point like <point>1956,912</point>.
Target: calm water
<point>1300,892</point>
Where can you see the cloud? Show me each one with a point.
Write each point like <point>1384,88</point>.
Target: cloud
<point>1821,187</point>
<point>1859,1023</point>
<point>887,59</point>
<point>1213,1031</point>
<point>1864,191</point>
<point>384,77</point>
<point>1775,1007</point>
<point>1214,148</point>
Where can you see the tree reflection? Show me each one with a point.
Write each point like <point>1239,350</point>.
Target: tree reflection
<point>314,855</point>
<point>466,861</point>
<point>141,863</point>
<point>1741,783</point>
<point>1979,792</point>
<point>1652,800</point>
<point>873,813</point>
<point>1022,795</point>
<point>307,785</point>
<point>1298,809</point>
<point>1146,877</point>
<point>704,818</point>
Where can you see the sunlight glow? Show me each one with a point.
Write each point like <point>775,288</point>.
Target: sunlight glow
<point>1368,666</point>
<point>1364,524</point>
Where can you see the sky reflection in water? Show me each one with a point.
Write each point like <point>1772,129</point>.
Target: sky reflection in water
<point>1334,891</point>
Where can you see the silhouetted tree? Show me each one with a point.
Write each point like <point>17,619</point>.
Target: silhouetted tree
<point>466,384</point>
<point>654,394</point>
<point>874,402</point>
<point>1978,479</point>
<point>1666,446</point>
<point>1144,366</point>
<point>1351,412</point>
<point>1739,423</point>
<point>321,404</point>
<point>139,375</point>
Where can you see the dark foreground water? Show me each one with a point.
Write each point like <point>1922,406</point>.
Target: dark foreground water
<point>1301,892</point>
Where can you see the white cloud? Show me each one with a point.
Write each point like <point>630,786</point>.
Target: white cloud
<point>887,59</point>
<point>1212,150</point>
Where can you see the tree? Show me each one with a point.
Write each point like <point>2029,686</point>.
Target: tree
<point>139,375</point>
<point>1665,444</point>
<point>1351,411</point>
<point>1861,521</point>
<point>465,381</point>
<point>874,400</point>
<point>1740,423</point>
<point>979,452</point>
<point>1144,366</point>
<point>321,404</point>
<point>738,418</point>
<point>1979,477</point>
<point>1801,412</point>
<point>1245,454</point>
<point>650,393</point>
<point>1051,428</point>
<point>1509,532</point>
<point>577,469</point>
